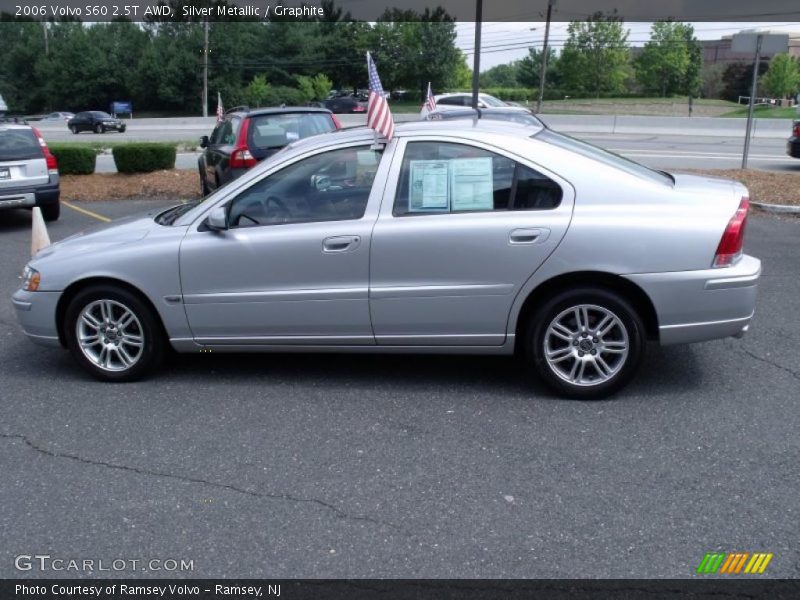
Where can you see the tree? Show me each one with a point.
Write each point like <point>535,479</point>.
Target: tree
<point>782,79</point>
<point>501,76</point>
<point>669,63</point>
<point>712,83</point>
<point>596,55</point>
<point>530,68</point>
<point>256,91</point>
<point>314,88</point>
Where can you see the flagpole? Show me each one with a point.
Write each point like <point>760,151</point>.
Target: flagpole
<point>476,62</point>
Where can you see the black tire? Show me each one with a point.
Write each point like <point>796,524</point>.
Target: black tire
<point>204,189</point>
<point>147,326</point>
<point>617,369</point>
<point>74,129</point>
<point>51,212</point>
<point>122,129</point>
<point>99,128</point>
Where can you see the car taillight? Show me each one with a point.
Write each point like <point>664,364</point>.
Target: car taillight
<point>241,158</point>
<point>730,245</point>
<point>359,108</point>
<point>52,163</point>
<point>336,123</point>
<point>796,129</point>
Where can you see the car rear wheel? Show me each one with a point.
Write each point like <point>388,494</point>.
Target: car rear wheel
<point>586,343</point>
<point>51,212</point>
<point>99,128</point>
<point>113,334</point>
<point>204,190</point>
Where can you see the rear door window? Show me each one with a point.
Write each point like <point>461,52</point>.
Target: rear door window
<point>19,144</point>
<point>444,177</point>
<point>268,133</point>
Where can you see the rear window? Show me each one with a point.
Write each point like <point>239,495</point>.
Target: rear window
<point>602,155</point>
<point>278,130</point>
<point>19,144</point>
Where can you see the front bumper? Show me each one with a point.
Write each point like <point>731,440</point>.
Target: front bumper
<point>36,313</point>
<point>696,306</point>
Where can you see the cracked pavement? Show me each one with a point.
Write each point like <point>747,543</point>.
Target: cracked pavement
<point>381,466</point>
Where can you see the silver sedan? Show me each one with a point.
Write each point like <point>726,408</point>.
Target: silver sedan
<point>455,237</point>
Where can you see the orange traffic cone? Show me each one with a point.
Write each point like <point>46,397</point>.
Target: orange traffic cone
<point>39,238</point>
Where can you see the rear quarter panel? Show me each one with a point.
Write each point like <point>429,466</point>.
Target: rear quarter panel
<point>623,224</point>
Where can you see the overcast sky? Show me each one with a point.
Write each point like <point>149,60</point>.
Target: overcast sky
<point>502,42</point>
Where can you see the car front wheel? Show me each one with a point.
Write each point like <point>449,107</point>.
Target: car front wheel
<point>99,128</point>
<point>586,343</point>
<point>113,334</point>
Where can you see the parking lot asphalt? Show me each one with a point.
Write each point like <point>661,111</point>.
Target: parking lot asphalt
<point>382,466</point>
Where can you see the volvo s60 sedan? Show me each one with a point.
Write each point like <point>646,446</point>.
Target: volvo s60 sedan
<point>476,237</point>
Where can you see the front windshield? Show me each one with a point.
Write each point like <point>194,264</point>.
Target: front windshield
<point>602,155</point>
<point>101,115</point>
<point>492,101</point>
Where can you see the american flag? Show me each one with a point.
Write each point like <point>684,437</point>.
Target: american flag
<point>220,110</point>
<point>430,101</point>
<point>379,117</point>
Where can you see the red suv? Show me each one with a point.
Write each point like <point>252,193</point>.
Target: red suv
<point>246,137</point>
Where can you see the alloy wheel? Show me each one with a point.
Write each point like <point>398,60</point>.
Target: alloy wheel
<point>586,345</point>
<point>110,335</point>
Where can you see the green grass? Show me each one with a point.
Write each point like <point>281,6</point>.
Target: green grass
<point>634,100</point>
<point>767,112</point>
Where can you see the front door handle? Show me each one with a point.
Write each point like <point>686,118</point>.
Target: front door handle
<point>528,236</point>
<point>341,243</point>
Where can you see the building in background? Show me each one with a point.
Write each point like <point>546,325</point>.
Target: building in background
<point>719,51</point>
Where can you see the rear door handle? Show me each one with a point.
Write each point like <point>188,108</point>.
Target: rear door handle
<point>341,243</point>
<point>528,236</point>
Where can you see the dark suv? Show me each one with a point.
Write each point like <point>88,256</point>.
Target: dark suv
<point>95,120</point>
<point>28,171</point>
<point>793,143</point>
<point>246,137</point>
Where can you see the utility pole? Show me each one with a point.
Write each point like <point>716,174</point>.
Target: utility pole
<point>746,151</point>
<point>205,68</point>
<point>46,41</point>
<point>543,67</point>
<point>476,61</point>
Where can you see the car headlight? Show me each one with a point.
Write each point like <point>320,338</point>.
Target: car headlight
<point>31,278</point>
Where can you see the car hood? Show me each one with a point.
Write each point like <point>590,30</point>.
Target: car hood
<point>123,231</point>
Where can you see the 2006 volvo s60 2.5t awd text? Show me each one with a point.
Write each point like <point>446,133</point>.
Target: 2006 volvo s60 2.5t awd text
<point>455,237</point>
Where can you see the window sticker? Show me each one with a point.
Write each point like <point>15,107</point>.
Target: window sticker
<point>471,185</point>
<point>429,186</point>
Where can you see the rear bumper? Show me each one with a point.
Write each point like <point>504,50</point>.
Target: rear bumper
<point>696,306</point>
<point>793,147</point>
<point>30,196</point>
<point>36,313</point>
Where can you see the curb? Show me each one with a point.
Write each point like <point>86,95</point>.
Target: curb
<point>777,208</point>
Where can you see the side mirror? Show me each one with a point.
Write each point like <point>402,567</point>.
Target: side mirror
<point>217,219</point>
<point>204,141</point>
<point>481,105</point>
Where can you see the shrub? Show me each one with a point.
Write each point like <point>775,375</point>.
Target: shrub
<point>281,94</point>
<point>74,160</point>
<point>144,157</point>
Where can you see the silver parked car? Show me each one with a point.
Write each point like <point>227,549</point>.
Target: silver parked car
<point>28,171</point>
<point>455,237</point>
